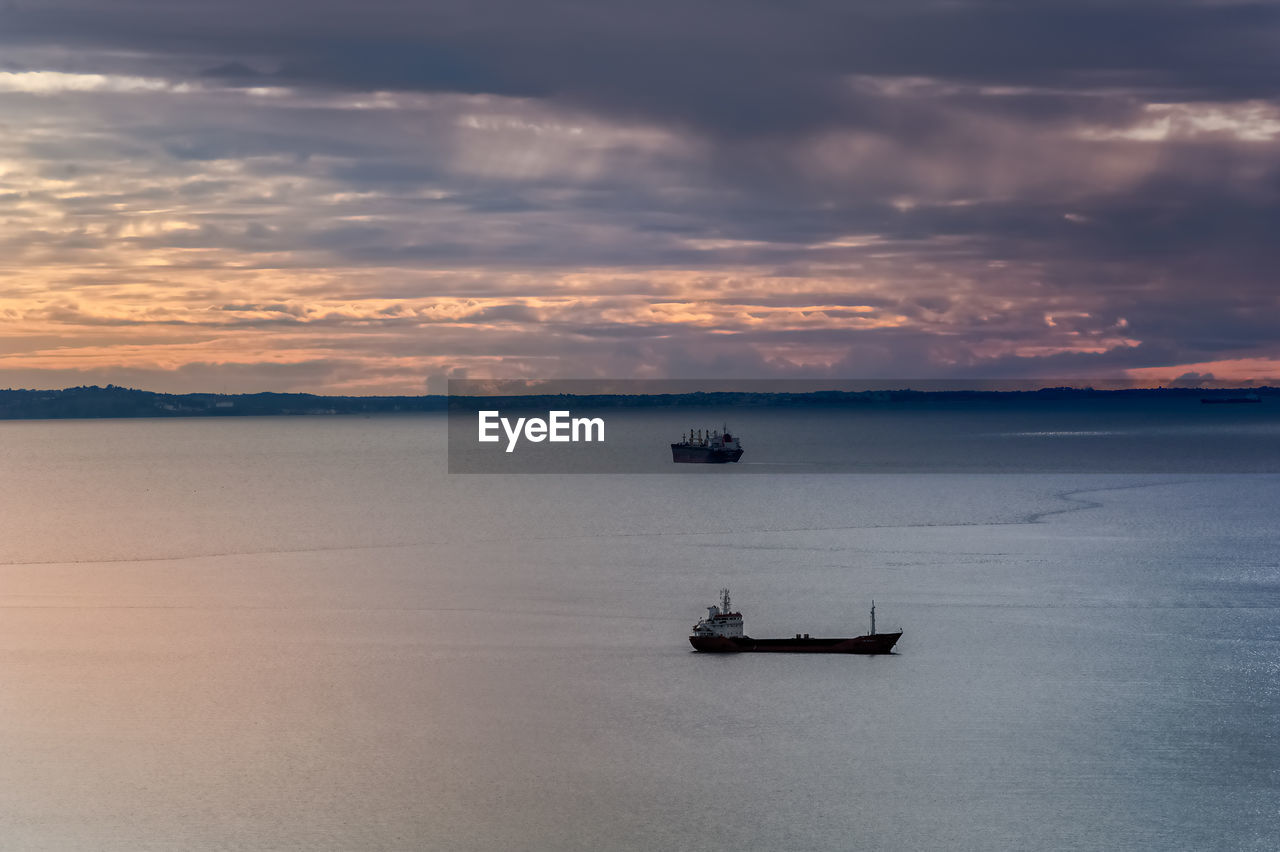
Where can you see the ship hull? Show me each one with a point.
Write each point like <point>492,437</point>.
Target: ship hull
<point>703,455</point>
<point>875,643</point>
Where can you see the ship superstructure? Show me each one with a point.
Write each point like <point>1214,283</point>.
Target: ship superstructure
<point>721,620</point>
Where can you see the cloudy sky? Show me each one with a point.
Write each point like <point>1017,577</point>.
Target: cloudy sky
<point>350,197</point>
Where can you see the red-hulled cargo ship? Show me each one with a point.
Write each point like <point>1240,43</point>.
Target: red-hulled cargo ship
<point>721,632</point>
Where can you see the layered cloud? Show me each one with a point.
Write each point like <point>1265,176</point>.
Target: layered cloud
<point>342,198</point>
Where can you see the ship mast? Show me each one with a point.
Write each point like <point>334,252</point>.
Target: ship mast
<point>873,618</point>
<point>724,601</point>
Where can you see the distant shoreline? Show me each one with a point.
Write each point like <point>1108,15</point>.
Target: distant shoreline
<point>95,402</point>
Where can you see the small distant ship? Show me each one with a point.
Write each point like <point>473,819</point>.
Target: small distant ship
<point>721,632</point>
<point>1230,400</point>
<point>712,448</point>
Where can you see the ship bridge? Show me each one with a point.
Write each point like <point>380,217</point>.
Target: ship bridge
<point>721,620</point>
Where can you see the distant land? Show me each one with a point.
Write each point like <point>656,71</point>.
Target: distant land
<point>113,401</point>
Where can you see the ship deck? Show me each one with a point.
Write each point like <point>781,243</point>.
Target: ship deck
<point>877,643</point>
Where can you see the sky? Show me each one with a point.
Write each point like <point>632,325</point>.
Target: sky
<point>360,198</point>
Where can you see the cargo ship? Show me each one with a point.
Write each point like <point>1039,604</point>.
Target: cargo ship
<point>711,448</point>
<point>721,633</point>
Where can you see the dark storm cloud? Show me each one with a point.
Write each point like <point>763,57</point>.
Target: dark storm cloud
<point>734,66</point>
<point>973,186</point>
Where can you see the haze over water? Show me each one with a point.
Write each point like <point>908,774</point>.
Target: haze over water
<point>271,633</point>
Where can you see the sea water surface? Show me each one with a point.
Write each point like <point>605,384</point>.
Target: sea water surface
<point>303,634</point>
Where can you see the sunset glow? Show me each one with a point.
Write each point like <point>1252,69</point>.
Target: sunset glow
<point>322,209</point>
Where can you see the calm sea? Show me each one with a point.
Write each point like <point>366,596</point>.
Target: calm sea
<point>303,634</point>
